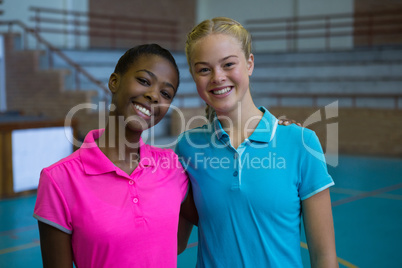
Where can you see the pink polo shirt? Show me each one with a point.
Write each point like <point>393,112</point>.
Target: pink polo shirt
<point>115,219</point>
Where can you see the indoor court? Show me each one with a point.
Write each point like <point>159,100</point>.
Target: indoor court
<point>367,206</point>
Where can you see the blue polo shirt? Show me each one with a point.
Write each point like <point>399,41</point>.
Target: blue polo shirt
<point>249,199</point>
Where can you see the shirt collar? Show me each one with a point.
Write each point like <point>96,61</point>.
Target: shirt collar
<point>266,128</point>
<point>96,162</point>
<point>146,157</point>
<point>264,131</point>
<point>219,131</point>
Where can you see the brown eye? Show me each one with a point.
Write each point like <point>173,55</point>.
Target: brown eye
<point>143,81</point>
<point>166,94</point>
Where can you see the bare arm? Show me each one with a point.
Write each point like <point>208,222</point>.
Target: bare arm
<point>319,227</point>
<point>188,218</point>
<point>185,228</point>
<point>55,246</point>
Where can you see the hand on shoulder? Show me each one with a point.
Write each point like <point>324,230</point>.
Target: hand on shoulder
<point>287,122</point>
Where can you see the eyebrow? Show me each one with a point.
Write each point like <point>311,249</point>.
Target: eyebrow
<point>225,58</point>
<point>154,76</point>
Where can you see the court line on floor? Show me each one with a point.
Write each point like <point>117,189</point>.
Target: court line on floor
<point>347,191</point>
<point>21,247</point>
<point>19,230</point>
<point>302,245</point>
<point>341,261</point>
<point>191,245</point>
<point>367,194</point>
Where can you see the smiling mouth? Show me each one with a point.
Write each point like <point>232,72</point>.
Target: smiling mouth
<point>142,109</point>
<point>221,91</point>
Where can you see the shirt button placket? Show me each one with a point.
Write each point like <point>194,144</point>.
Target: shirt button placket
<point>135,199</point>
<point>133,191</point>
<point>236,182</point>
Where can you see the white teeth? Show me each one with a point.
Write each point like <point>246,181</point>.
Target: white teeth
<point>142,109</point>
<point>222,91</point>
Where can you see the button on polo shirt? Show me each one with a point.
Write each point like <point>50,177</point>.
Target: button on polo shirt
<point>248,200</point>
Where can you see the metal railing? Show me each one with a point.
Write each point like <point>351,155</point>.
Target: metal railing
<point>105,30</point>
<point>52,50</point>
<point>364,29</point>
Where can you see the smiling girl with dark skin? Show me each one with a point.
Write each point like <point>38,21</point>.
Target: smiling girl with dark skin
<point>115,201</point>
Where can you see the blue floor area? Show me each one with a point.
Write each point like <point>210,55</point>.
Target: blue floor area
<point>367,210</point>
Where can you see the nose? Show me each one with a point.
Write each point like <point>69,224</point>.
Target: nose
<point>152,95</point>
<point>218,76</point>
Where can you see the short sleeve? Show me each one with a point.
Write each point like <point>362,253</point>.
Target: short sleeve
<point>314,173</point>
<point>51,207</point>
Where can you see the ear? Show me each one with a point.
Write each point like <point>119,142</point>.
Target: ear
<point>114,82</point>
<point>250,64</point>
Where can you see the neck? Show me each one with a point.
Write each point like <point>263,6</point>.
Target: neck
<point>119,145</point>
<point>241,122</point>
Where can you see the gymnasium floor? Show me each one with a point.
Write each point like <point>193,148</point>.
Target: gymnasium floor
<point>367,210</point>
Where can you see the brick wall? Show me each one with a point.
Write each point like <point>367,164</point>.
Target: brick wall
<point>182,11</point>
<point>360,131</point>
<point>362,6</point>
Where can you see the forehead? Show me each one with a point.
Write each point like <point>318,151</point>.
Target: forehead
<point>161,67</point>
<point>215,46</point>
